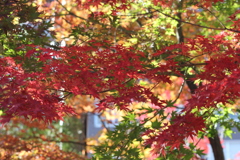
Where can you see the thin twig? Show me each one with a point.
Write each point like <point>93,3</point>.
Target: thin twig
<point>197,25</point>
<point>180,91</point>
<point>104,125</point>
<point>192,64</point>
<point>71,13</point>
<point>205,132</point>
<point>215,17</point>
<point>52,140</point>
<point>179,20</point>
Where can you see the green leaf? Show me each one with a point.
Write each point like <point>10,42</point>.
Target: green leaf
<point>228,133</point>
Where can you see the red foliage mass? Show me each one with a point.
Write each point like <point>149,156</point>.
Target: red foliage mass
<point>93,69</point>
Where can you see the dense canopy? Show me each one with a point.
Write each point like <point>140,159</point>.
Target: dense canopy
<point>172,68</point>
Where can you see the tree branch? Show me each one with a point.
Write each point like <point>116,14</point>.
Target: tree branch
<point>214,141</point>
<point>58,141</point>
<point>197,25</point>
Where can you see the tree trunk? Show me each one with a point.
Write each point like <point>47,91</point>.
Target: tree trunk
<point>83,135</point>
<point>216,147</point>
<point>214,141</point>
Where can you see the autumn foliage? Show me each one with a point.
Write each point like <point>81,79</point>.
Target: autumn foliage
<point>103,60</point>
<point>15,148</point>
